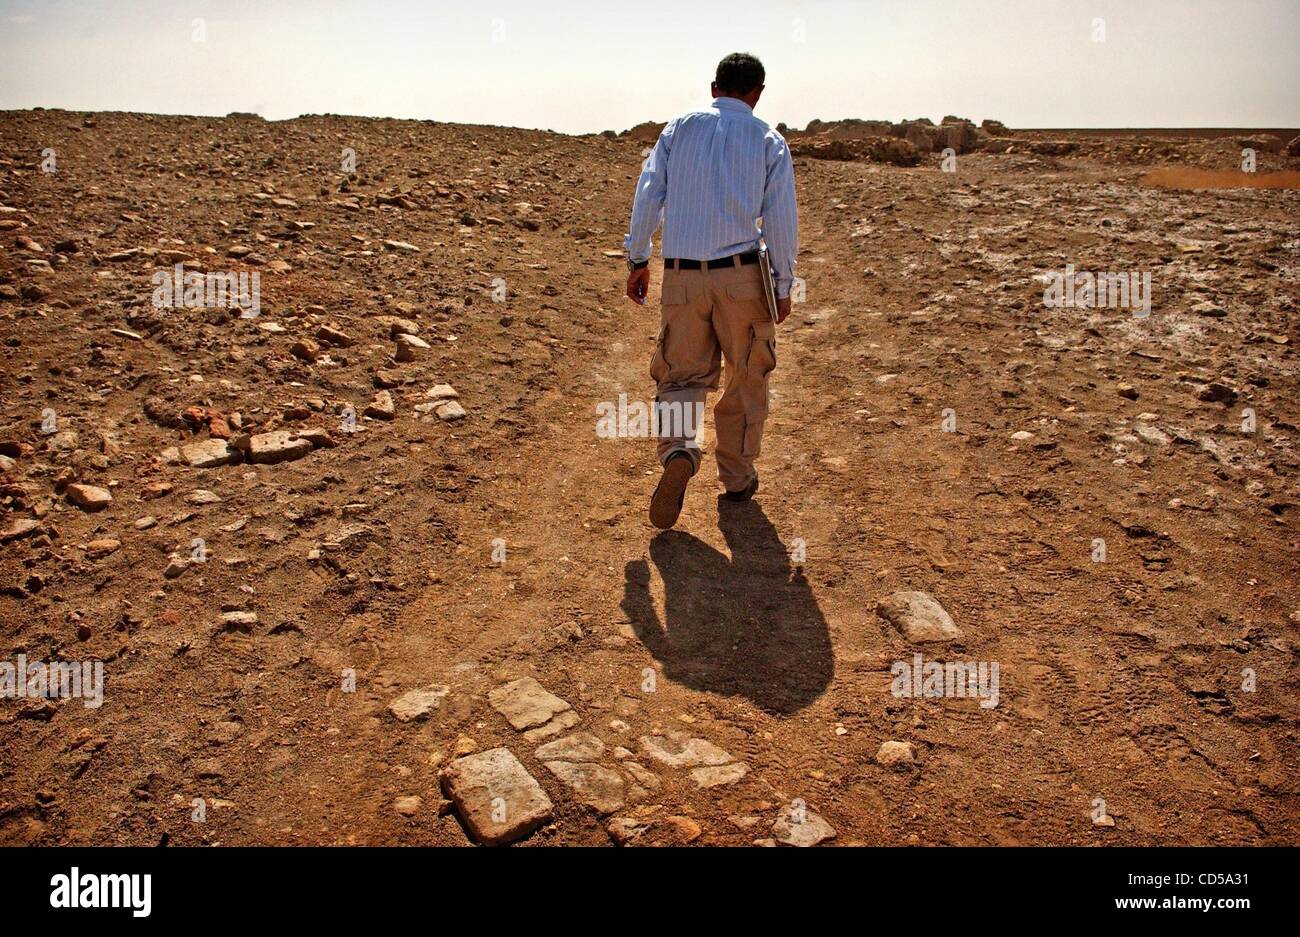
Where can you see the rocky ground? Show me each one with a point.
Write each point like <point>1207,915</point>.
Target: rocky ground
<point>360,569</point>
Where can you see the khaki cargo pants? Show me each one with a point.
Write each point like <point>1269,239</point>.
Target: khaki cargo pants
<point>708,315</point>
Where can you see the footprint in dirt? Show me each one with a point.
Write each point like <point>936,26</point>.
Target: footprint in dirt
<point>745,626</point>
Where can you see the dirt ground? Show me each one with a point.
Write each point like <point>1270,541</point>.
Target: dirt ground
<point>934,427</point>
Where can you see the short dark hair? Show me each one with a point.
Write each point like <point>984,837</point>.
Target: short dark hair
<point>739,73</point>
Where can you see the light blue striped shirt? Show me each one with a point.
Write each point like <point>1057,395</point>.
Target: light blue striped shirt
<point>711,176</point>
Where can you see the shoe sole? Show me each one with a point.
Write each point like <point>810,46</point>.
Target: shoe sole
<point>666,504</point>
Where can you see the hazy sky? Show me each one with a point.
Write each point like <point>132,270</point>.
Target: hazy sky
<point>579,66</point>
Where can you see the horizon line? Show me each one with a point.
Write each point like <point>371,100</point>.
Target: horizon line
<point>599,133</point>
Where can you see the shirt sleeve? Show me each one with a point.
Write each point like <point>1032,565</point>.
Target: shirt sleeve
<point>780,214</point>
<point>648,203</point>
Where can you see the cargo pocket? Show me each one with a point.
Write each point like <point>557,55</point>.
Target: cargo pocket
<point>659,364</point>
<point>761,361</point>
<point>762,349</point>
<point>674,294</point>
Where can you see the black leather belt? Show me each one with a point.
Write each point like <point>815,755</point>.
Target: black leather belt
<point>735,260</point>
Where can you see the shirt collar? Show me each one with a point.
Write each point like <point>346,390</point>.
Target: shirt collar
<point>732,104</point>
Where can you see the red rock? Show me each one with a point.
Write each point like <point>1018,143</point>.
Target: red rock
<point>97,549</point>
<point>89,497</point>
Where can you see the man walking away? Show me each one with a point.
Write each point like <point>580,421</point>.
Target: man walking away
<point>713,175</point>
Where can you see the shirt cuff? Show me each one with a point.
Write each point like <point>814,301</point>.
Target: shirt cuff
<point>783,285</point>
<point>635,256</point>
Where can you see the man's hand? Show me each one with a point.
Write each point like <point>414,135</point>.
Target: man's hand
<point>782,309</point>
<point>638,285</point>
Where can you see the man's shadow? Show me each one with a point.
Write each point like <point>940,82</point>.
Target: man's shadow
<point>746,626</point>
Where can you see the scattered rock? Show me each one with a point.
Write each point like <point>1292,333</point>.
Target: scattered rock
<point>679,750</point>
<point>799,826</point>
<point>449,411</point>
<point>381,407</point>
<point>64,441</point>
<point>210,453</point>
<point>562,721</point>
<point>318,438</point>
<point>1218,393</point>
<point>1151,435</point>
<point>347,537</point>
<point>22,527</point>
<point>642,775</point>
<point>525,703</point>
<point>333,335</point>
<point>919,617</point>
<point>592,784</point>
<point>682,830</point>
<point>896,753</point>
<point>415,705</point>
<point>89,497</point>
<point>496,797</point>
<point>98,549</point>
<point>581,746</point>
<point>277,446</point>
<point>410,348</point>
<point>238,621</point>
<point>408,806</point>
<point>624,830</point>
<point>306,349</point>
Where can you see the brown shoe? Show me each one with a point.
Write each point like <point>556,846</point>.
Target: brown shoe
<point>745,493</point>
<point>670,493</point>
